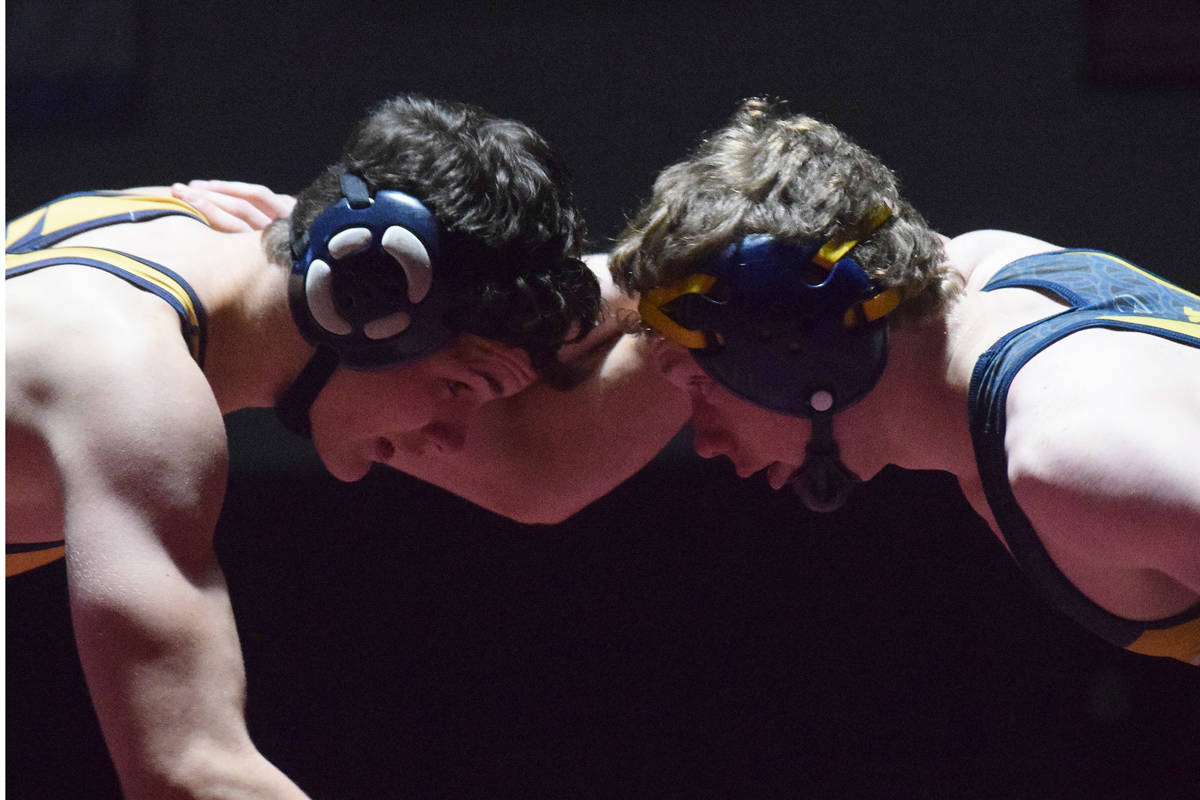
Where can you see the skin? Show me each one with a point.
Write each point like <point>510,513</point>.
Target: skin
<point>115,442</point>
<point>542,454</point>
<point>512,458</point>
<point>1113,496</point>
<point>362,418</point>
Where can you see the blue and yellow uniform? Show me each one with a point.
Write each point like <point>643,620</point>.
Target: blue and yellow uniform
<point>31,244</point>
<point>1101,290</point>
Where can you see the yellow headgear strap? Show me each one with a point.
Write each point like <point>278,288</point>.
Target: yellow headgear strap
<point>652,301</point>
<point>836,248</point>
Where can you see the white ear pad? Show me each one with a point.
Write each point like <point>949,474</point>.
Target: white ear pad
<point>349,241</point>
<point>413,258</point>
<point>318,290</point>
<point>388,326</point>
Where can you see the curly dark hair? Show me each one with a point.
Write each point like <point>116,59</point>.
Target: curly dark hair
<point>505,208</point>
<point>769,170</point>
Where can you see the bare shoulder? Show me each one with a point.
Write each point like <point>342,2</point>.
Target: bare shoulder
<point>103,401</point>
<point>1102,435</point>
<point>976,318</point>
<point>978,255</point>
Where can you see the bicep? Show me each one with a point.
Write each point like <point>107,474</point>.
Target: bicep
<point>1103,431</point>
<point>154,628</point>
<point>585,442</point>
<point>142,489</point>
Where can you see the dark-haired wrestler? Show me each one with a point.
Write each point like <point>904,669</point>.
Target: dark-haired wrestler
<point>133,326</point>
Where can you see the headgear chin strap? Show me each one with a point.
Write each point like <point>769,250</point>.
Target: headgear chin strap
<point>367,289</point>
<point>823,482</point>
<point>795,327</point>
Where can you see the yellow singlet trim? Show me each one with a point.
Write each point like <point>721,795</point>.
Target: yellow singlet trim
<point>16,563</point>
<point>1181,642</point>
<point>120,261</point>
<point>72,211</point>
<point>1191,329</point>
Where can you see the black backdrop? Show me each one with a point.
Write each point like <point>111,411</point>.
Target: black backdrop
<point>690,635</point>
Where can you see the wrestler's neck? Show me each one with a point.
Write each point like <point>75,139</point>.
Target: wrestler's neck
<point>254,348</point>
<point>930,366</point>
<point>915,416</point>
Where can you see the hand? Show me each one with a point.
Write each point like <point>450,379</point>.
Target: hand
<point>234,206</point>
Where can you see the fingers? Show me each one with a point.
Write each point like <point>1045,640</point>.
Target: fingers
<point>233,206</point>
<point>268,202</point>
<point>242,217</point>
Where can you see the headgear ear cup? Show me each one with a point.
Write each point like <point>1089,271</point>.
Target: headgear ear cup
<point>771,332</point>
<point>369,283</point>
<point>367,288</point>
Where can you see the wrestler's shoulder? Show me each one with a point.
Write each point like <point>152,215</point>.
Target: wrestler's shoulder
<point>86,350</point>
<point>980,254</point>
<point>1101,402</point>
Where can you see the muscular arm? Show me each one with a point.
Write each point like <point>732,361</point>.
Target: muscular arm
<point>1102,460</point>
<point>143,476</point>
<point>543,454</point>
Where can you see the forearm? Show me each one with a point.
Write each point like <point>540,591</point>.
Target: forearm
<point>215,773</point>
<point>158,644</point>
<point>168,685</point>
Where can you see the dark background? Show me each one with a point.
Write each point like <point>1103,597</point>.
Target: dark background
<point>690,635</point>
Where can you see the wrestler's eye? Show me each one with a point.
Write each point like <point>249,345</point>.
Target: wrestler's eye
<point>457,387</point>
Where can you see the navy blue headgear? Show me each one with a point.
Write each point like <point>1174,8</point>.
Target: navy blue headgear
<point>367,281</point>
<point>794,327</point>
<point>367,288</point>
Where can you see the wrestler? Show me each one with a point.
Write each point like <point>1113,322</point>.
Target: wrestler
<point>432,270</point>
<point>822,331</point>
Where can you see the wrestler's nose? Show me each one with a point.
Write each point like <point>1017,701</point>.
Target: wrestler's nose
<point>446,436</point>
<point>708,436</point>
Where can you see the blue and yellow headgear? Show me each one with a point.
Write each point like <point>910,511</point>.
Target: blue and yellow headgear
<point>795,327</point>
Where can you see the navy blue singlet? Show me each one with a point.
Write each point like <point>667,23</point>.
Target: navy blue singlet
<point>1101,290</point>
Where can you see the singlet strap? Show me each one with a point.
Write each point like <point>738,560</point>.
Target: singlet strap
<point>144,274</point>
<point>78,213</point>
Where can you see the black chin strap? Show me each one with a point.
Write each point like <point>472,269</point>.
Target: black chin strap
<point>293,405</point>
<point>823,482</point>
